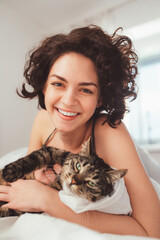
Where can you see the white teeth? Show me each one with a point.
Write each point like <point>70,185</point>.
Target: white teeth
<point>70,114</point>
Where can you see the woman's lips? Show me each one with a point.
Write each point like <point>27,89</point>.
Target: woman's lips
<point>67,115</point>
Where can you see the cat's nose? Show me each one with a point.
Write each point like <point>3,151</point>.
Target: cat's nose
<point>73,181</point>
<point>76,180</point>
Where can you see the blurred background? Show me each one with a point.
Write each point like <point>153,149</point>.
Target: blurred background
<point>24,23</point>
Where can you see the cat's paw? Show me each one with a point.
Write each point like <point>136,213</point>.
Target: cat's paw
<point>12,172</point>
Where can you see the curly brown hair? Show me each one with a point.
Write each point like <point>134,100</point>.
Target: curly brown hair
<point>112,55</point>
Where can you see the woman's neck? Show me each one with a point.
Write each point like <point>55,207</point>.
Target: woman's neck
<point>73,141</point>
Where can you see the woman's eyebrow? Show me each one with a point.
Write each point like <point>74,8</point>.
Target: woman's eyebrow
<point>59,77</point>
<point>80,84</point>
<point>88,84</point>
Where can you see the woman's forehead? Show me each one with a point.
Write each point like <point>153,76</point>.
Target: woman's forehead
<point>75,65</point>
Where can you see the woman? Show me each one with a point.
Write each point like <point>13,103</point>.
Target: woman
<point>76,77</point>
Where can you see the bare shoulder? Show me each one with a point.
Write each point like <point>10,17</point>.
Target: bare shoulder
<point>115,145</point>
<point>41,129</point>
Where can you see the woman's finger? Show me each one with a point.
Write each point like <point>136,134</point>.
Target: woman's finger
<point>4,197</point>
<point>50,175</point>
<point>40,176</point>
<point>57,168</point>
<point>4,189</point>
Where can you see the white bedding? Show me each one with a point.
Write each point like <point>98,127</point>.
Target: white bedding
<point>117,203</point>
<point>42,226</point>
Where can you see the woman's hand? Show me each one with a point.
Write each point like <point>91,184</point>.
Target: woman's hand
<point>24,195</point>
<point>29,195</point>
<point>45,175</point>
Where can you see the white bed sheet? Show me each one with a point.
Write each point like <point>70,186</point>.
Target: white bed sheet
<point>41,226</point>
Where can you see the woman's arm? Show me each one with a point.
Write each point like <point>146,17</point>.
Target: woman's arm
<point>102,222</point>
<point>116,147</point>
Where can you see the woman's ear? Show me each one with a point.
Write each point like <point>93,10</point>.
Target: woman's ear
<point>99,103</point>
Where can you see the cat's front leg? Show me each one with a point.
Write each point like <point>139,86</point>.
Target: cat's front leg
<point>36,160</point>
<point>15,171</point>
<point>12,172</point>
<point>2,181</point>
<point>25,165</point>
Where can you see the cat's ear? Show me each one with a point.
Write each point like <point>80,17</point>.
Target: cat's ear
<point>85,149</point>
<point>114,175</point>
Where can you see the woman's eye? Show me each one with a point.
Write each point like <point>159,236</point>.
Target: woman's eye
<point>92,184</point>
<point>85,90</point>
<point>57,84</point>
<point>78,166</point>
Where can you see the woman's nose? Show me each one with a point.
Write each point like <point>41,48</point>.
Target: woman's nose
<point>69,98</point>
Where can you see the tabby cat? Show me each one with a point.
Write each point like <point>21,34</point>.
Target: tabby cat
<point>85,174</point>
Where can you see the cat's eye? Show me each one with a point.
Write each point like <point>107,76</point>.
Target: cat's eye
<point>78,166</point>
<point>92,184</point>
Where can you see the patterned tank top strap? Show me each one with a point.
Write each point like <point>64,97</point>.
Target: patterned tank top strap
<point>44,145</point>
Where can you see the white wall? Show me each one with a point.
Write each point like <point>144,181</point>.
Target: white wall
<point>138,18</point>
<point>17,36</point>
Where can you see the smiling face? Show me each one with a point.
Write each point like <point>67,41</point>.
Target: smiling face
<point>71,91</point>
